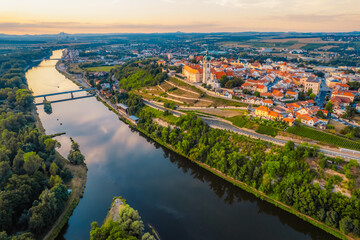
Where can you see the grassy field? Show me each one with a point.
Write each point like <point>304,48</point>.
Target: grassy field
<point>101,68</point>
<point>74,68</point>
<point>267,130</point>
<point>226,113</point>
<point>159,114</point>
<point>221,102</point>
<point>323,137</point>
<point>185,85</point>
<point>262,126</point>
<point>242,122</point>
<point>313,46</point>
<point>338,126</point>
<point>273,44</point>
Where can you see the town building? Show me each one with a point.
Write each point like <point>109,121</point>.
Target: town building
<point>312,83</point>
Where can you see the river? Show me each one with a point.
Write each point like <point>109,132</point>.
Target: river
<point>181,200</point>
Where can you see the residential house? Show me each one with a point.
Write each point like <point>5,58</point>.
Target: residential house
<point>278,94</point>
<point>343,94</point>
<point>289,121</point>
<point>122,108</point>
<point>262,111</point>
<point>310,121</point>
<point>291,94</point>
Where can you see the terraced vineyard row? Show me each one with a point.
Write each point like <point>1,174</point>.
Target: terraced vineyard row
<point>323,137</point>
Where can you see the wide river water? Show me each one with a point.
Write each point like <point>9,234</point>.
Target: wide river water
<point>181,200</point>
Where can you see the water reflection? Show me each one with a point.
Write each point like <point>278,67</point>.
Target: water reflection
<point>180,199</point>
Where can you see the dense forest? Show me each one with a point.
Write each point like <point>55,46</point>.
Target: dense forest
<point>134,75</point>
<point>32,176</point>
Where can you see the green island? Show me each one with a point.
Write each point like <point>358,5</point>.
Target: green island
<point>121,222</point>
<point>39,189</point>
<point>301,180</point>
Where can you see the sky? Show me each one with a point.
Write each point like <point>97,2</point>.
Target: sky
<point>147,16</point>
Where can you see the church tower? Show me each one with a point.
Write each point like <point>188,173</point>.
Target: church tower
<point>206,68</point>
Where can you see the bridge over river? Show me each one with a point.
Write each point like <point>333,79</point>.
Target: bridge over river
<point>66,92</point>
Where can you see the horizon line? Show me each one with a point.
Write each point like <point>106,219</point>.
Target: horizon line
<point>178,32</point>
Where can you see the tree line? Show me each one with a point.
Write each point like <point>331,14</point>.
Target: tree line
<point>32,177</point>
<point>281,173</point>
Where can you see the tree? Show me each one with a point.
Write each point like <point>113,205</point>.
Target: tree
<point>312,95</point>
<point>51,144</point>
<point>53,169</point>
<point>24,98</point>
<point>257,94</point>
<point>66,175</point>
<point>349,113</point>
<point>18,162</point>
<point>320,114</point>
<point>148,236</point>
<point>302,96</point>
<point>346,225</point>
<point>32,162</point>
<point>329,106</point>
<point>75,157</point>
<point>332,218</point>
<point>223,80</point>
<point>356,230</point>
<point>24,236</point>
<point>5,173</point>
<point>54,180</point>
<point>3,236</point>
<point>130,221</point>
<point>74,145</point>
<point>111,230</point>
<point>354,85</point>
<point>309,92</point>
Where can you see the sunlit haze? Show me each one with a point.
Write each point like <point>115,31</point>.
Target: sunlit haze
<point>120,16</point>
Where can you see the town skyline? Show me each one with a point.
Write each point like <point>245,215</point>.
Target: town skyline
<point>116,16</point>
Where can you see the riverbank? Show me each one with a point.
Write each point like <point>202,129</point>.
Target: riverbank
<point>77,185</point>
<point>335,232</point>
<point>113,213</point>
<point>81,83</point>
<point>261,195</point>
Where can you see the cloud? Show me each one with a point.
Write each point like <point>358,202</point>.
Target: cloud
<point>63,26</point>
<point>245,3</point>
<point>316,18</point>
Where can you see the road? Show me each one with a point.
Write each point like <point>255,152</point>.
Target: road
<point>214,123</point>
<point>225,125</point>
<point>320,99</point>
